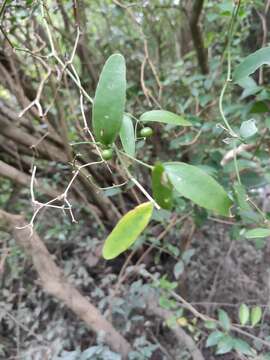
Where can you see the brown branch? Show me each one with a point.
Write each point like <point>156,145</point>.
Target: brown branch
<point>53,281</point>
<point>197,37</point>
<point>46,149</point>
<point>21,178</point>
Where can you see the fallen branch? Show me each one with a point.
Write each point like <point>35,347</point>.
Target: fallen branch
<point>54,282</point>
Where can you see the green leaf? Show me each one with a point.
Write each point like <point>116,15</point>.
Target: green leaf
<point>161,187</point>
<point>256,315</point>
<point>214,338</point>
<point>166,284</point>
<point>127,135</point>
<point>164,116</point>
<point>248,128</point>
<point>243,314</point>
<point>241,197</point>
<point>225,345</point>
<point>166,303</point>
<point>209,324</point>
<point>251,63</point>
<point>242,346</point>
<point>257,233</point>
<point>224,320</point>
<point>196,185</point>
<point>109,102</point>
<point>250,87</point>
<point>127,230</point>
<point>259,107</point>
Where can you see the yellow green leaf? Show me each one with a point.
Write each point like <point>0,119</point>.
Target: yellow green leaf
<point>127,230</point>
<point>243,314</point>
<point>256,315</point>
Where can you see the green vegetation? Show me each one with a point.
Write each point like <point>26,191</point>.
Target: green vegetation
<point>134,179</point>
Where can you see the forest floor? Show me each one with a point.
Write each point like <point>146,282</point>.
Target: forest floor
<point>221,274</point>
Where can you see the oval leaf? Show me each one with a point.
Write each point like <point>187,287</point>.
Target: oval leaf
<point>256,315</point>
<point>242,346</point>
<point>257,233</point>
<point>224,319</point>
<point>196,185</point>
<point>127,230</point>
<point>127,135</point>
<point>109,102</point>
<point>214,338</point>
<point>164,116</point>
<point>225,345</point>
<point>251,63</point>
<point>243,314</point>
<point>161,186</point>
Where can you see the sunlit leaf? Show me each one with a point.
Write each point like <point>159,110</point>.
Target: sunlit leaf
<point>182,321</point>
<point>164,116</point>
<point>127,230</point>
<point>243,314</point>
<point>109,101</point>
<point>161,187</point>
<point>256,315</point>
<point>196,185</point>
<point>251,63</point>
<point>127,135</point>
<point>257,233</point>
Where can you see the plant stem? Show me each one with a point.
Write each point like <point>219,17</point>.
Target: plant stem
<point>137,160</point>
<point>235,163</point>
<point>135,181</point>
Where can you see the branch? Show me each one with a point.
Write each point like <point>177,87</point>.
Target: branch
<point>197,37</point>
<point>53,281</point>
<point>19,177</point>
